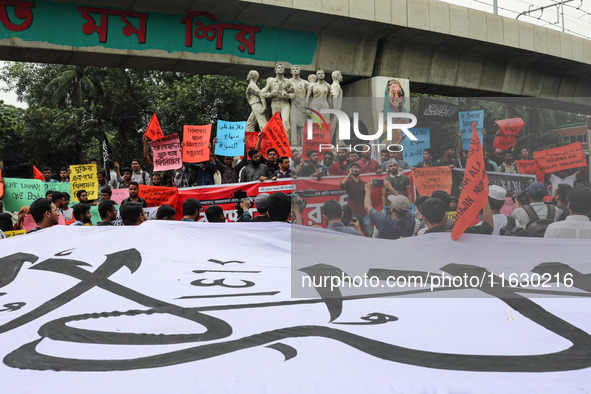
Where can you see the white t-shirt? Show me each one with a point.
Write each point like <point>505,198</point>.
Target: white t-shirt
<point>556,180</point>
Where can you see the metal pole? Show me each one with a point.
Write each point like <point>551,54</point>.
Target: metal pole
<point>495,7</point>
<point>562,12</point>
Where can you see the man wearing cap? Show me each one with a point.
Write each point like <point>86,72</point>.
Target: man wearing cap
<point>261,203</point>
<point>536,192</point>
<point>577,224</point>
<point>496,199</point>
<point>400,223</point>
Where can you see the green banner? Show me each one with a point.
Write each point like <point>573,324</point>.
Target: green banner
<point>94,215</point>
<point>21,192</point>
<point>63,187</point>
<point>72,25</point>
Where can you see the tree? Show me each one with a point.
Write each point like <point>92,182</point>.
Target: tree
<point>10,134</point>
<point>72,87</point>
<point>69,109</point>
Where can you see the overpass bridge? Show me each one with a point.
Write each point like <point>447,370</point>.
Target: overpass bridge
<point>441,48</point>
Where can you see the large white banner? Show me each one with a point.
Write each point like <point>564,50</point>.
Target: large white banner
<point>183,307</point>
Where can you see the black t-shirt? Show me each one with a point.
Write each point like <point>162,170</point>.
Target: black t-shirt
<point>441,163</point>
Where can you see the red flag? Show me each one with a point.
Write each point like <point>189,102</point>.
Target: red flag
<point>154,132</point>
<point>275,133</point>
<point>38,174</point>
<point>474,193</point>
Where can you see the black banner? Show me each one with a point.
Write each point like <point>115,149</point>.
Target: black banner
<point>430,110</point>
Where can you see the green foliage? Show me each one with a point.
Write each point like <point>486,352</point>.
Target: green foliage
<point>71,106</point>
<point>72,87</point>
<point>10,135</point>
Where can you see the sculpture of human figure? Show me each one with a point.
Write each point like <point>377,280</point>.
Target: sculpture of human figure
<point>298,116</point>
<point>312,79</point>
<point>280,90</point>
<point>253,96</point>
<point>336,95</point>
<point>319,91</point>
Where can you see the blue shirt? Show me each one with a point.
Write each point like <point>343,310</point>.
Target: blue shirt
<point>392,228</point>
<point>341,228</point>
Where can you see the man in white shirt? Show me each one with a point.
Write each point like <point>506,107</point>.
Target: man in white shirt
<point>577,224</point>
<point>536,192</point>
<point>496,200</point>
<point>562,177</point>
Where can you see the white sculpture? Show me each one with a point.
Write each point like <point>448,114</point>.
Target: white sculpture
<point>336,94</point>
<point>280,90</point>
<point>298,115</point>
<point>253,96</point>
<point>319,91</point>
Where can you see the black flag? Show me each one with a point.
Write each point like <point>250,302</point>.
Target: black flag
<point>107,156</point>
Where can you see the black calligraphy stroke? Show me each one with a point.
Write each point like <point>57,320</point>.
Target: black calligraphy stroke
<point>215,328</point>
<point>225,262</point>
<point>577,356</point>
<point>287,351</point>
<point>220,282</point>
<point>371,318</point>
<point>11,265</point>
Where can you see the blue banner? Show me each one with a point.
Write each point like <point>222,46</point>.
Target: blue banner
<point>466,120</point>
<point>230,137</point>
<point>413,150</point>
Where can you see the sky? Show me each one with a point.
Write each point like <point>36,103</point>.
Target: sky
<point>577,20</point>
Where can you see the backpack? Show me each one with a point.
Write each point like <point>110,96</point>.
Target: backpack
<point>507,229</point>
<point>145,177</point>
<point>536,226</point>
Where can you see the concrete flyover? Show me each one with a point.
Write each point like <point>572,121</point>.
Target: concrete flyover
<point>441,48</point>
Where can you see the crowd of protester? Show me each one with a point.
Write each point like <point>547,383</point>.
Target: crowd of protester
<point>567,215</point>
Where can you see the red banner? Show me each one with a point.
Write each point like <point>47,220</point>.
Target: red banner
<point>429,179</point>
<point>529,167</point>
<point>508,130</point>
<point>159,195</point>
<point>316,192</point>
<point>561,158</point>
<point>474,193</point>
<point>320,135</point>
<point>154,132</point>
<point>196,143</point>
